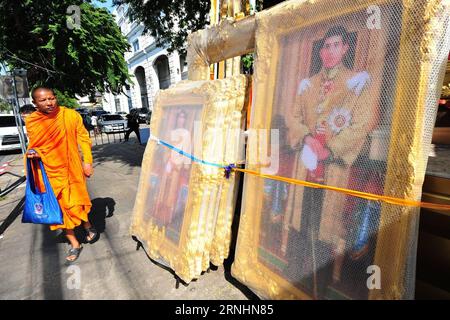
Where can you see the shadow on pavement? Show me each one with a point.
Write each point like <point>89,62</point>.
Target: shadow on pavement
<point>51,269</point>
<point>18,209</point>
<point>125,153</point>
<point>102,208</point>
<point>10,152</point>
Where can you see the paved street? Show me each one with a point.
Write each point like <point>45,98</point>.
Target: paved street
<point>32,257</point>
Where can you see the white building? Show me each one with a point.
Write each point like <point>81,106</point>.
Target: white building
<point>152,68</point>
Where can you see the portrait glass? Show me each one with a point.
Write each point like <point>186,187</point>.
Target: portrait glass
<point>170,171</point>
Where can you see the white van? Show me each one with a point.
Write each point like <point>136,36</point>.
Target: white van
<point>9,134</point>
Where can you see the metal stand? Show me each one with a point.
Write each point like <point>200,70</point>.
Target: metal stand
<point>13,186</point>
<point>12,216</point>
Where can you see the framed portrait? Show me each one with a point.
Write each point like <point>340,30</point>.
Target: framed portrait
<point>177,204</point>
<point>351,87</point>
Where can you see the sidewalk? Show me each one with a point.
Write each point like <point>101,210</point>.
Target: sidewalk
<point>32,256</point>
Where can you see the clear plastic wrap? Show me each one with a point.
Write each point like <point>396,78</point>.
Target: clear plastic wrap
<point>352,89</point>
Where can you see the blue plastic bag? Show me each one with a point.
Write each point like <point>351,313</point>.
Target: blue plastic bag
<point>40,207</point>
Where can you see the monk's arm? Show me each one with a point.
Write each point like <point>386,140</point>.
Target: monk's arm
<point>84,141</point>
<point>35,148</point>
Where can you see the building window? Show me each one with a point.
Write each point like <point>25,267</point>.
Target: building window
<point>136,45</point>
<point>117,103</point>
<point>120,11</point>
<point>183,66</point>
<point>163,71</point>
<point>130,103</point>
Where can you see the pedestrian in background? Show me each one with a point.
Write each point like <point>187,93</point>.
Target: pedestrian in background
<point>133,125</point>
<point>94,122</point>
<point>26,110</point>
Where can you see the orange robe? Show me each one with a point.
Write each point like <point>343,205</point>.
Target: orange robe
<point>57,139</point>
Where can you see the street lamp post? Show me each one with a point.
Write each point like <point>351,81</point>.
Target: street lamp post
<point>14,84</point>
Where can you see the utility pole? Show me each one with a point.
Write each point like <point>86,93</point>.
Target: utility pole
<point>16,107</point>
<point>11,93</point>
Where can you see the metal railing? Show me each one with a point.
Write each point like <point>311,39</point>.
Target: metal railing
<point>101,136</point>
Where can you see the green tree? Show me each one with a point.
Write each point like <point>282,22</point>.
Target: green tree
<point>169,21</point>
<point>65,100</point>
<point>74,53</point>
<point>247,63</point>
<point>5,106</point>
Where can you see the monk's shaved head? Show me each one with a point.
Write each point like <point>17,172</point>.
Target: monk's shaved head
<point>41,88</point>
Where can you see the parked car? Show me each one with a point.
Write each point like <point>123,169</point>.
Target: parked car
<point>81,110</point>
<point>123,114</point>
<point>143,113</point>
<point>98,113</point>
<point>9,134</point>
<point>112,123</point>
<point>87,121</point>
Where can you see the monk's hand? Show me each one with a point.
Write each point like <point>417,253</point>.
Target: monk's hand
<point>32,154</point>
<point>88,169</point>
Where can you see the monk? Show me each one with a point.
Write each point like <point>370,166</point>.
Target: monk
<point>56,134</point>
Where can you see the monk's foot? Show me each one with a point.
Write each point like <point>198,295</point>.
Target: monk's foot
<point>73,254</point>
<point>91,234</point>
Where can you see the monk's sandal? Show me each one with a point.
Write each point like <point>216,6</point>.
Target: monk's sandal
<point>73,252</point>
<point>92,233</point>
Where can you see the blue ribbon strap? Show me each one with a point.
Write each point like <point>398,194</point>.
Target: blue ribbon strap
<point>227,168</point>
<point>190,156</point>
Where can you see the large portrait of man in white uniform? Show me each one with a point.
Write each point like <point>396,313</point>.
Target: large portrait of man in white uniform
<point>326,128</point>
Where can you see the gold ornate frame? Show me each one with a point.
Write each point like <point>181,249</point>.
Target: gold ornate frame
<point>418,69</point>
<point>191,256</point>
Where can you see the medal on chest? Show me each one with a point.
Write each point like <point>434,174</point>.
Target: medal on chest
<point>339,119</point>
